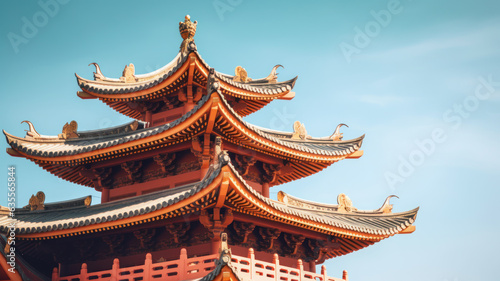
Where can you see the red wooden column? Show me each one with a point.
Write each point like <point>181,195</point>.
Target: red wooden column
<point>265,189</point>
<point>149,117</point>
<point>312,266</point>
<point>105,195</point>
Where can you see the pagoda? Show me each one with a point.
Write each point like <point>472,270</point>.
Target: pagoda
<point>185,186</point>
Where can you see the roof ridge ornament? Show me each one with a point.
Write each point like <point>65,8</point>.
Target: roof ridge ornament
<point>345,204</point>
<point>337,135</point>
<point>273,76</point>
<point>31,132</point>
<point>128,75</point>
<point>98,76</point>
<point>212,82</point>
<point>37,201</point>
<point>387,206</point>
<point>224,251</point>
<point>69,131</point>
<point>187,30</point>
<point>299,131</point>
<point>241,75</point>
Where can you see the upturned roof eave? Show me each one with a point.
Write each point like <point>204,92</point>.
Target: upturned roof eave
<point>112,88</point>
<point>140,208</point>
<point>78,147</point>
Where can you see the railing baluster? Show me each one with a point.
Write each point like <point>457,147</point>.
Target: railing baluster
<point>147,266</point>
<point>300,267</point>
<point>323,273</point>
<point>184,271</point>
<point>55,274</point>
<point>251,256</point>
<point>276,261</point>
<point>182,265</point>
<point>114,270</point>
<point>83,272</point>
<point>344,275</point>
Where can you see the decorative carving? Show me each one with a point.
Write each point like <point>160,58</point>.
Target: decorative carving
<point>6,249</point>
<point>243,163</point>
<point>204,237</point>
<point>217,222</point>
<point>332,244</point>
<point>293,242</point>
<point>299,131</point>
<point>212,82</point>
<point>217,149</point>
<point>225,253</point>
<point>273,76</point>
<point>178,231</point>
<point>133,126</point>
<point>270,172</point>
<point>128,75</point>
<point>69,130</point>
<point>387,206</point>
<point>145,237</point>
<point>196,147</point>
<point>133,170</point>
<point>317,248</point>
<point>268,235</point>
<point>36,201</point>
<point>97,74</point>
<point>86,248</point>
<point>345,204</point>
<point>165,161</point>
<point>242,230</point>
<point>31,132</point>
<point>102,177</point>
<point>87,201</point>
<point>186,167</point>
<point>240,75</point>
<point>292,201</point>
<point>188,96</point>
<point>187,30</point>
<point>114,242</point>
<point>337,135</point>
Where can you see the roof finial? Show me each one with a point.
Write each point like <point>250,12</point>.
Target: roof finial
<point>387,206</point>
<point>344,203</point>
<point>69,130</point>
<point>337,135</point>
<point>273,76</point>
<point>31,132</point>
<point>187,30</point>
<point>98,76</point>
<point>37,201</point>
<point>224,251</point>
<point>241,75</point>
<point>299,131</point>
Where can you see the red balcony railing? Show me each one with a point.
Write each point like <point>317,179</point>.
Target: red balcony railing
<point>193,268</point>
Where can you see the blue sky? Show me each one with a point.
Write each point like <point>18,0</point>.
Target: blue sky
<point>429,69</point>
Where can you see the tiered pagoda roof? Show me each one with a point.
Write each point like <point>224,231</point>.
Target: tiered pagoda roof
<point>222,186</point>
<point>186,68</point>
<point>212,114</point>
<point>185,170</point>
